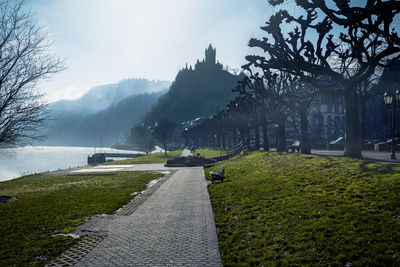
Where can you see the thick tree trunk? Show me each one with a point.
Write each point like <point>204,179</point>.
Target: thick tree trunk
<point>304,144</point>
<point>257,136</point>
<point>223,136</point>
<point>218,140</point>
<point>363,120</point>
<point>265,136</point>
<point>282,146</point>
<point>353,144</point>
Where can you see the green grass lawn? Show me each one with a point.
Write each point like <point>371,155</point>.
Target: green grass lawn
<point>210,152</point>
<point>151,158</point>
<point>52,205</point>
<point>294,209</point>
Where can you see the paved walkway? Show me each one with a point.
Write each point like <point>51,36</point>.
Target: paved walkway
<point>173,227</point>
<point>377,156</point>
<point>112,168</point>
<point>382,156</point>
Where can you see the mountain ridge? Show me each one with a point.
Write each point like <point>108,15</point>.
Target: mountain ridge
<point>67,116</point>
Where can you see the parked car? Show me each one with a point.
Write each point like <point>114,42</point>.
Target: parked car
<point>396,141</point>
<point>340,140</point>
<point>373,141</point>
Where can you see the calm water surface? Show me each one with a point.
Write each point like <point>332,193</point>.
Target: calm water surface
<point>15,162</point>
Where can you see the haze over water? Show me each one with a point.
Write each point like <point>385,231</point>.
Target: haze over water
<point>16,162</point>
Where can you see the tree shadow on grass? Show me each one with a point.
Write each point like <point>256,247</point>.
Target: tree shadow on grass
<point>377,167</point>
<point>366,165</point>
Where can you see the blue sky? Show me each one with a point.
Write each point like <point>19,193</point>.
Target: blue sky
<point>105,41</point>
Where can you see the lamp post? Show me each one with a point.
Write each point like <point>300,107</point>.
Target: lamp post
<point>391,101</point>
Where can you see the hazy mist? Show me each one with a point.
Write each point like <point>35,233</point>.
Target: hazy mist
<point>107,41</point>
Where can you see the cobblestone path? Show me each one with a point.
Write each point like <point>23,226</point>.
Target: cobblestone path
<point>173,227</point>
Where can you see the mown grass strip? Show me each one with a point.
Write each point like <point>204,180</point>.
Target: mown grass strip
<point>293,209</point>
<point>211,152</point>
<point>151,158</point>
<point>51,205</point>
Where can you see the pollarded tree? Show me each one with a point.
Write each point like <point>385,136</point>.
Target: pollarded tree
<point>253,87</point>
<point>276,90</point>
<point>334,39</point>
<point>24,61</point>
<point>289,91</point>
<point>299,98</point>
<point>248,110</point>
<point>272,89</point>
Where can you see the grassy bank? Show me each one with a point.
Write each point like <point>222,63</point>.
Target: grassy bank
<point>294,209</point>
<point>210,152</point>
<point>51,205</point>
<point>151,158</point>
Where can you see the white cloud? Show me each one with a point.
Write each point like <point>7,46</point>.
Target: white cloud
<point>70,92</point>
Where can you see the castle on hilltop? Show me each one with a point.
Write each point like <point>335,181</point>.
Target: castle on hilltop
<point>209,61</point>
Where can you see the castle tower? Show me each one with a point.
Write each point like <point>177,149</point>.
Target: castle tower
<point>211,55</point>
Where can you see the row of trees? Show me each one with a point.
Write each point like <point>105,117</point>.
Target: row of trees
<point>332,48</point>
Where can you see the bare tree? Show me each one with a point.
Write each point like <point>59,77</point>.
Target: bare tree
<point>272,89</point>
<point>163,130</point>
<point>25,59</point>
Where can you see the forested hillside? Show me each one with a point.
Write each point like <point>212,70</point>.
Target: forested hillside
<point>195,93</point>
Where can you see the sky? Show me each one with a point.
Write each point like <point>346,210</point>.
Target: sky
<point>105,41</point>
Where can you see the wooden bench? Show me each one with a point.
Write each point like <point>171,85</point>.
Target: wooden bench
<point>218,176</point>
<point>295,146</point>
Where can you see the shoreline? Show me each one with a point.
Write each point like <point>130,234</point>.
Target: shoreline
<point>19,162</point>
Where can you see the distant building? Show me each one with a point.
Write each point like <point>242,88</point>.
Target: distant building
<point>326,119</point>
<point>209,62</point>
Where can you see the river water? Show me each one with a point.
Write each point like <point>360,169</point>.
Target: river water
<point>16,162</point>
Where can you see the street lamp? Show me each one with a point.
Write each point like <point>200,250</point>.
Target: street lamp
<point>391,101</point>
